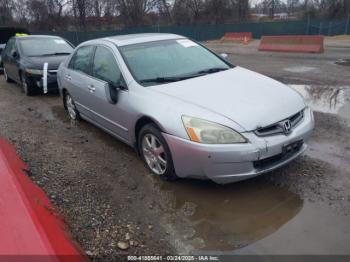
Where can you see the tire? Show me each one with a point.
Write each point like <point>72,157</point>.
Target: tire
<point>155,152</point>
<point>27,87</point>
<point>69,105</point>
<point>7,79</point>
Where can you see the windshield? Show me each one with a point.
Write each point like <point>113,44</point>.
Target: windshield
<point>45,46</point>
<point>170,61</point>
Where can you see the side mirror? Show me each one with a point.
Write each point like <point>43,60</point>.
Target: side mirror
<point>112,93</point>
<point>14,54</point>
<point>224,55</point>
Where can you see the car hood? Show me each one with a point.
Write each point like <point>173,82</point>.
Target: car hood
<point>37,62</point>
<point>247,98</point>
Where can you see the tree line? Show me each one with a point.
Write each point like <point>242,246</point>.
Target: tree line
<point>116,14</point>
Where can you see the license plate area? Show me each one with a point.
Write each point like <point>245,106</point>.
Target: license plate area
<point>292,147</point>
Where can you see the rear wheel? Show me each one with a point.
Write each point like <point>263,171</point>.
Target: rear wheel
<point>70,106</point>
<point>155,152</point>
<point>27,87</point>
<point>7,79</point>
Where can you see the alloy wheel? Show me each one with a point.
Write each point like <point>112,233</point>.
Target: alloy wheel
<point>154,154</point>
<point>71,107</point>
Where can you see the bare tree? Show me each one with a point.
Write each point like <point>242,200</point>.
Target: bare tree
<point>243,10</point>
<point>38,14</point>
<point>92,14</point>
<point>6,12</point>
<point>217,11</point>
<point>164,10</point>
<point>80,10</point>
<point>55,12</point>
<point>20,12</point>
<point>133,12</point>
<point>195,7</point>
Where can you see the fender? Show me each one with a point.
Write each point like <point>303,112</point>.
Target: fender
<point>29,224</point>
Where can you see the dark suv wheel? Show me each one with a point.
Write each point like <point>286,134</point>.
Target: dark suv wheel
<point>7,79</point>
<point>27,87</point>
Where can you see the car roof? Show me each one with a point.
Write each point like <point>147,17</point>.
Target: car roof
<point>122,40</point>
<point>36,36</point>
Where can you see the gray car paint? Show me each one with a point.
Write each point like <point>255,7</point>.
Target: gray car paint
<point>236,98</point>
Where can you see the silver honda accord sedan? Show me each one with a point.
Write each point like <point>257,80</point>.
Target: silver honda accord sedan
<point>187,111</point>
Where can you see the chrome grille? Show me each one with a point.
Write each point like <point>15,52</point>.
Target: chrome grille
<point>278,128</point>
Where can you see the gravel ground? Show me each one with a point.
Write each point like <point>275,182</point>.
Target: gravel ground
<point>97,183</point>
<point>111,203</point>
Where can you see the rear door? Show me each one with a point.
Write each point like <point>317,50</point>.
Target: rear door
<point>9,61</point>
<point>77,79</point>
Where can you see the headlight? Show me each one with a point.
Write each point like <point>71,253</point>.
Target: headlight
<point>34,71</point>
<point>206,132</point>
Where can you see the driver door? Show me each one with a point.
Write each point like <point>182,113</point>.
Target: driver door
<point>106,73</point>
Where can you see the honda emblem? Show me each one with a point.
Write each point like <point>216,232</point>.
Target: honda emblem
<point>287,127</point>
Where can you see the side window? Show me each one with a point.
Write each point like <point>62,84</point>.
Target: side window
<point>105,66</point>
<point>9,47</point>
<point>81,59</point>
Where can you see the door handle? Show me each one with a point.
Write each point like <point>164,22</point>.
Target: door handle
<point>91,88</point>
<point>68,77</point>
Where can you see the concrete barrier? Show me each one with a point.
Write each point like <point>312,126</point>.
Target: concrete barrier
<point>292,43</point>
<point>28,222</point>
<point>237,37</point>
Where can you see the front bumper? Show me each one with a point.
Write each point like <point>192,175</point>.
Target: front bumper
<point>231,163</point>
<point>37,81</point>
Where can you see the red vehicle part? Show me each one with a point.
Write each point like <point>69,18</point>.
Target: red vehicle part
<point>28,223</point>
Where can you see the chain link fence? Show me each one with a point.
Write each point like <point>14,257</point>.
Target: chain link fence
<point>212,32</point>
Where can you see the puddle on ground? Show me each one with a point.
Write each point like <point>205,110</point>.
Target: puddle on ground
<point>300,69</point>
<point>250,217</point>
<point>206,216</point>
<point>316,230</point>
<point>326,99</point>
<point>343,62</point>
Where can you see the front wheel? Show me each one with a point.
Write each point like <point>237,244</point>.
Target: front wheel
<point>7,79</point>
<point>27,87</point>
<point>155,152</point>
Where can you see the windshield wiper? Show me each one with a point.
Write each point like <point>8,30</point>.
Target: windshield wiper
<point>163,79</point>
<point>212,70</point>
<point>180,78</point>
<point>53,54</point>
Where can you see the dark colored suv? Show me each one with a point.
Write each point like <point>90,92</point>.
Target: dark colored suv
<point>5,34</point>
<point>32,61</point>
